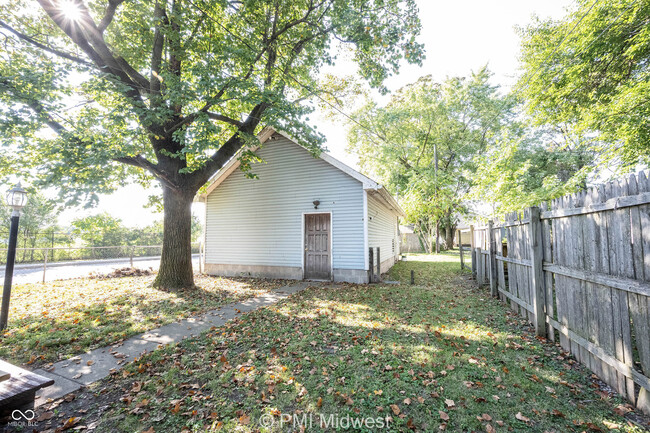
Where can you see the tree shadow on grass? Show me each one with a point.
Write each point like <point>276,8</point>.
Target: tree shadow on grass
<point>44,336</point>
<point>320,352</point>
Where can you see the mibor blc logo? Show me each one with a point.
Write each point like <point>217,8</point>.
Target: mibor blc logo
<point>19,415</point>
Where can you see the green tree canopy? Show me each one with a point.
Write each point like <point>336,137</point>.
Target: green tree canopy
<point>100,230</point>
<point>525,167</point>
<point>171,90</point>
<point>423,143</point>
<point>597,80</point>
<point>36,218</point>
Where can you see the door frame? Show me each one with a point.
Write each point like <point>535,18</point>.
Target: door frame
<point>302,241</point>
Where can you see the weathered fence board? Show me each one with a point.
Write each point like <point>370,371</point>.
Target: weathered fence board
<point>580,266</point>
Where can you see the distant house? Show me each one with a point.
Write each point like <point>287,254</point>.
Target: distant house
<point>303,218</point>
<point>410,240</point>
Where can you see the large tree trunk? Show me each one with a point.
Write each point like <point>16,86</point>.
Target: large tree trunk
<point>176,261</point>
<point>449,236</point>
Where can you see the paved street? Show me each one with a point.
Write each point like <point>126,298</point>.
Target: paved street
<point>33,273</point>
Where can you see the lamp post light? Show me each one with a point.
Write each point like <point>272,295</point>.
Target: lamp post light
<point>16,199</point>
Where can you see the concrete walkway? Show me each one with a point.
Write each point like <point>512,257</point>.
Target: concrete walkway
<point>71,374</point>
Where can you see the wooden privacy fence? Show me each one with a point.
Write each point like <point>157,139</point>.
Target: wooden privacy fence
<point>579,270</point>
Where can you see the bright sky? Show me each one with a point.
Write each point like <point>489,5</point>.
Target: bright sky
<point>459,36</point>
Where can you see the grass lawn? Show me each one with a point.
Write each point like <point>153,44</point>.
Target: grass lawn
<point>56,320</point>
<point>441,355</point>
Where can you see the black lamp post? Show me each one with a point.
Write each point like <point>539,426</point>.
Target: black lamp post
<point>16,199</point>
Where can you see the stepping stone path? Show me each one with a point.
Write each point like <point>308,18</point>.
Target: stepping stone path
<point>71,374</point>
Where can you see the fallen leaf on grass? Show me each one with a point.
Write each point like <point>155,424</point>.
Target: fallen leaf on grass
<point>450,403</point>
<point>71,422</point>
<point>521,417</point>
<point>410,424</point>
<point>611,425</point>
<point>395,409</point>
<point>621,410</point>
<point>244,419</point>
<point>443,415</point>
<point>45,416</point>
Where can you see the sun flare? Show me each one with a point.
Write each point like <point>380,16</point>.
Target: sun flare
<point>70,10</point>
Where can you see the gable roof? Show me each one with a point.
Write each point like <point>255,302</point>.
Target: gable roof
<point>370,186</point>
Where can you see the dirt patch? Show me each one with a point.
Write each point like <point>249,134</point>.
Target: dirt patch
<point>124,272</point>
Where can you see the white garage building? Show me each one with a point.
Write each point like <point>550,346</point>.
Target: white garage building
<point>302,218</point>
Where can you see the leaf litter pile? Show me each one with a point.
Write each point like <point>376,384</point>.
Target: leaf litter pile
<point>438,356</point>
<point>55,320</point>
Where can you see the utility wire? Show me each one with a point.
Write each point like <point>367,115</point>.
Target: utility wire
<point>304,86</point>
<point>544,62</point>
<point>352,119</point>
<point>594,40</point>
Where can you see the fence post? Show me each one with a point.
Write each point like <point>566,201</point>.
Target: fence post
<point>460,249</point>
<point>480,271</point>
<point>371,265</point>
<point>378,266</point>
<point>471,245</point>
<point>44,263</point>
<point>537,272</point>
<point>132,250</point>
<point>493,259</point>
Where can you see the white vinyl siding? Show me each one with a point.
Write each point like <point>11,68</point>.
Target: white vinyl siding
<point>382,230</point>
<point>259,221</point>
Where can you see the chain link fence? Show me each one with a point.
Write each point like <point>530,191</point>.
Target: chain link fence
<point>45,257</point>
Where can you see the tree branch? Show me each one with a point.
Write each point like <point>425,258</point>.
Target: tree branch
<point>142,162</point>
<point>156,51</point>
<point>109,14</point>
<point>36,106</point>
<point>59,129</point>
<point>230,147</point>
<point>86,36</point>
<point>47,48</point>
<point>226,119</point>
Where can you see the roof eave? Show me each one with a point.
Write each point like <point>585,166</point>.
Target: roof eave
<point>388,199</point>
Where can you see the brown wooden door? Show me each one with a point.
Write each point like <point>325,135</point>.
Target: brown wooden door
<point>317,247</point>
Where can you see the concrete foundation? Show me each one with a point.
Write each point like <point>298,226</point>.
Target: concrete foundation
<point>387,264</point>
<point>280,272</point>
<point>358,276</point>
